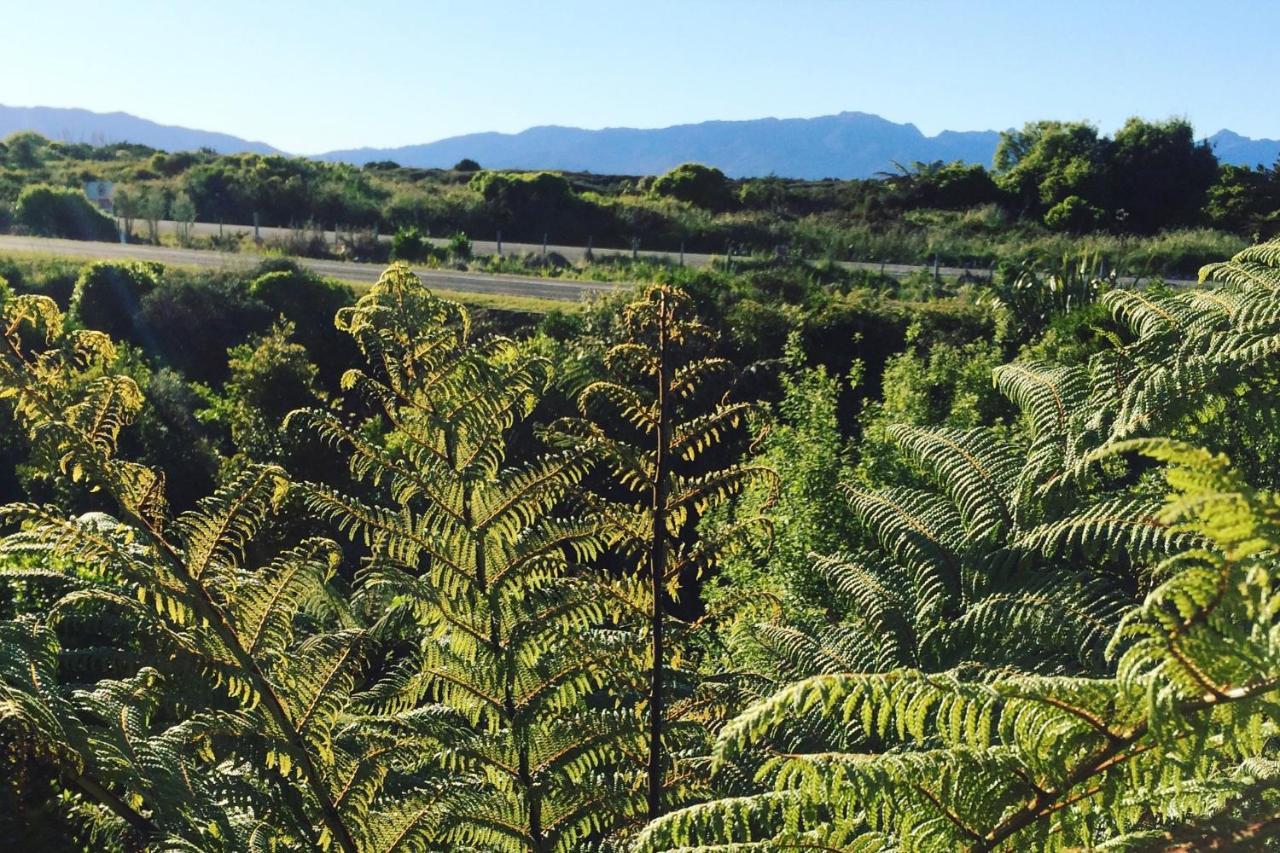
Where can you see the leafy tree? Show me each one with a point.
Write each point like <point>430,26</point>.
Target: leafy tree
<point>24,149</point>
<point>460,247</point>
<point>1073,214</point>
<point>466,164</point>
<point>410,244</point>
<point>192,319</point>
<point>128,207</point>
<point>1043,164</point>
<point>1015,761</point>
<point>949,186</point>
<point>269,656</point>
<point>184,214</point>
<point>699,185</point>
<point>61,212</point>
<point>154,207</point>
<point>1245,200</point>
<point>269,378</point>
<point>804,445</point>
<point>534,202</point>
<point>1159,174</point>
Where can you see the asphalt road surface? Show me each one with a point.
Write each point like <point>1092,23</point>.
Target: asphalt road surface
<point>578,253</point>
<point>566,290</point>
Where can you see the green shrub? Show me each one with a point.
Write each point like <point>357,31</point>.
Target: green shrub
<point>699,185</point>
<point>191,321</point>
<point>62,212</point>
<point>460,248</point>
<point>109,294</point>
<point>411,245</point>
<point>309,303</point>
<point>1073,214</point>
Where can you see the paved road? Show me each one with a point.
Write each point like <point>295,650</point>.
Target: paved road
<point>481,247</point>
<point>566,290</point>
<point>578,253</point>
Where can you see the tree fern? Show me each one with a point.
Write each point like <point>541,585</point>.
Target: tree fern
<point>1041,559</point>
<point>271,657</point>
<point>947,761</point>
<point>474,583</point>
<point>659,387</point>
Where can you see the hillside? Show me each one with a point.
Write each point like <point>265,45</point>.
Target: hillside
<point>76,125</point>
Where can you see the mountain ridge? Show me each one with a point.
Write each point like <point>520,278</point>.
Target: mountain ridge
<point>849,144</point>
<point>73,124</point>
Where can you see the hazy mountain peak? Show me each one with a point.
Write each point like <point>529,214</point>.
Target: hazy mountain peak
<point>849,144</point>
<point>77,125</point>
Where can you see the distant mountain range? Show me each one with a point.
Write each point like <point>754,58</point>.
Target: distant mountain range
<point>848,145</point>
<point>73,125</point>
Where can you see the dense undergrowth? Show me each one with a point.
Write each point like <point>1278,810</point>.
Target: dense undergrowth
<point>773,558</point>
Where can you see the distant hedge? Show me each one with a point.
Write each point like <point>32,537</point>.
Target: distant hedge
<point>50,211</point>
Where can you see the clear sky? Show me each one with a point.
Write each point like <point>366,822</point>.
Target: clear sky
<point>315,75</point>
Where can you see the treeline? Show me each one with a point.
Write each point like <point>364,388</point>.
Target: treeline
<point>1050,178</point>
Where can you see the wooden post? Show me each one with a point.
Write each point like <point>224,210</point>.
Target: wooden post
<point>499,242</point>
<point>681,253</point>
<point>257,236</point>
<point>544,245</point>
<point>935,268</point>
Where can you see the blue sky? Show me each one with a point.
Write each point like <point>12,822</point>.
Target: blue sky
<point>318,75</point>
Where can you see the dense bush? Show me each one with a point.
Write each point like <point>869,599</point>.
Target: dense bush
<point>109,294</point>
<point>309,303</point>
<point>699,185</point>
<point>61,212</point>
<point>1073,214</point>
<point>191,320</point>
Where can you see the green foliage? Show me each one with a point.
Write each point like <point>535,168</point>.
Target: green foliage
<point>193,318</point>
<point>1073,214</point>
<point>1111,633</point>
<point>1048,161</point>
<point>309,302</point>
<point>1159,174</point>
<point>108,296</point>
<point>269,378</point>
<point>946,186</point>
<point>1245,200</point>
<point>162,616</point>
<point>62,212</point>
<point>696,184</point>
<point>952,211</point>
<point>1013,761</point>
<point>654,423</point>
<point>410,244</point>
<point>460,247</point>
<point>805,447</point>
<point>474,573</point>
<point>532,198</point>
